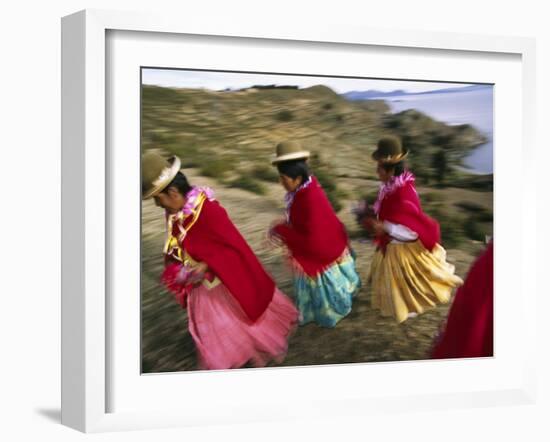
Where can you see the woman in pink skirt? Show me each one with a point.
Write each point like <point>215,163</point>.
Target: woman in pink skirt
<point>236,314</point>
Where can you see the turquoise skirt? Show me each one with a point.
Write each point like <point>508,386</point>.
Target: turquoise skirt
<point>327,298</point>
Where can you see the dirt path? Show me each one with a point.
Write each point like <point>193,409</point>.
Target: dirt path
<point>364,336</point>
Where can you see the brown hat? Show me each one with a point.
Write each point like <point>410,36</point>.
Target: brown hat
<point>157,173</point>
<point>389,150</point>
<point>289,150</point>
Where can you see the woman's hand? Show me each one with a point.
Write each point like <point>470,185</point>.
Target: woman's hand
<point>377,227</point>
<point>196,275</point>
<point>182,275</point>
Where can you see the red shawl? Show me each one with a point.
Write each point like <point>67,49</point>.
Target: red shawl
<point>315,236</point>
<point>402,206</point>
<point>215,240</point>
<point>469,331</point>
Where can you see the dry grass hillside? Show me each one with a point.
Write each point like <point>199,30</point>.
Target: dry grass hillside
<point>225,140</point>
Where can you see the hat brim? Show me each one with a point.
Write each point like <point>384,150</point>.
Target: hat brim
<point>390,159</point>
<point>290,156</point>
<point>164,179</point>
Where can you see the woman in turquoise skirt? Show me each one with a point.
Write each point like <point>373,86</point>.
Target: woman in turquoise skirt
<point>325,278</point>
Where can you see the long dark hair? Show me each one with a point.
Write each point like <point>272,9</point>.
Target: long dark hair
<point>397,168</point>
<point>294,169</point>
<point>180,183</point>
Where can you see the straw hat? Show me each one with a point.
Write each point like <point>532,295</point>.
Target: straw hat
<point>289,150</point>
<point>157,173</point>
<point>389,150</point>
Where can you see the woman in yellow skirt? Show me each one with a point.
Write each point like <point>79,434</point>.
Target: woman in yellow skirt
<point>409,273</point>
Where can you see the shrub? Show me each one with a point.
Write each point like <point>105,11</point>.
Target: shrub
<point>473,230</point>
<point>452,227</point>
<point>265,173</point>
<point>328,183</point>
<point>189,162</point>
<point>189,155</point>
<point>485,216</point>
<point>284,115</point>
<point>371,197</point>
<point>452,231</point>
<point>440,164</point>
<point>469,206</point>
<point>477,211</point>
<point>247,183</point>
<point>431,197</point>
<point>482,183</point>
<point>335,202</point>
<point>342,194</point>
<point>160,138</point>
<point>358,233</point>
<point>216,168</point>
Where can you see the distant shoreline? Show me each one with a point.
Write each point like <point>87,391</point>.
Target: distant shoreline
<point>474,108</point>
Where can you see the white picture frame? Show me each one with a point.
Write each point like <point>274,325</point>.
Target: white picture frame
<point>86,316</point>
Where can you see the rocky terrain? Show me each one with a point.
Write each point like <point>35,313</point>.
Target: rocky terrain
<point>225,140</point>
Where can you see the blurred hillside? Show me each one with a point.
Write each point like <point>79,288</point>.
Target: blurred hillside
<point>225,140</point>
<point>241,128</point>
<point>230,136</point>
<point>244,126</point>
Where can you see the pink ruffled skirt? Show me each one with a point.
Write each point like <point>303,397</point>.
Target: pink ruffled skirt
<point>226,338</point>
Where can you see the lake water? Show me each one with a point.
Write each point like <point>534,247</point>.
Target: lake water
<point>473,107</point>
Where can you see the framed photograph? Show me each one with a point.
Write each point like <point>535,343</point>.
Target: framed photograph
<point>187,152</point>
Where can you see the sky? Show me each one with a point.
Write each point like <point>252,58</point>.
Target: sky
<point>224,80</point>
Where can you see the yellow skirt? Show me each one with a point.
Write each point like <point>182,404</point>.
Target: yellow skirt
<point>410,279</point>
